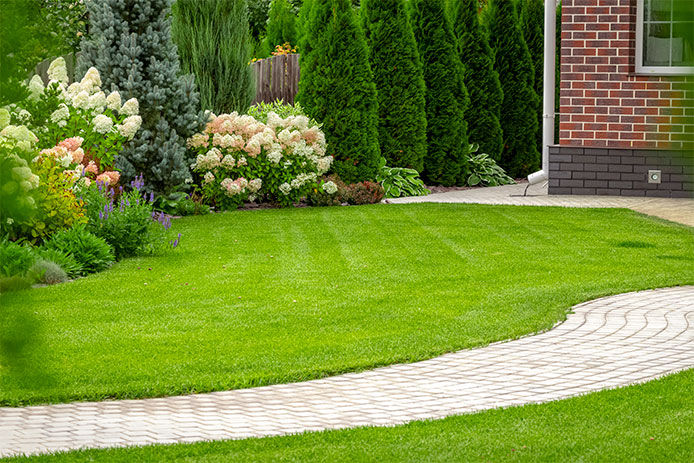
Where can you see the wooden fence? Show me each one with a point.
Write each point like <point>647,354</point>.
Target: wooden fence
<point>276,77</point>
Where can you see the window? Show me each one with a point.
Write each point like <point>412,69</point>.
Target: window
<point>665,36</point>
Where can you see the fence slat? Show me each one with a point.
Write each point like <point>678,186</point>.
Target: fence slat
<point>276,78</point>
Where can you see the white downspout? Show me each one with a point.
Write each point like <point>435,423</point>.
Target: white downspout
<point>548,91</point>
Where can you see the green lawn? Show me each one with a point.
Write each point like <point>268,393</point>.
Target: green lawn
<point>260,297</point>
<point>650,422</point>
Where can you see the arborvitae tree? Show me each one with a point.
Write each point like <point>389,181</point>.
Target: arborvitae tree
<point>337,89</point>
<point>481,80</point>
<point>281,25</point>
<point>399,82</point>
<point>519,109</point>
<point>532,23</point>
<point>446,96</point>
<point>129,42</point>
<point>214,45</point>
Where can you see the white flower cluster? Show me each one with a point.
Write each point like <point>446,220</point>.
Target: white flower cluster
<point>288,154</point>
<point>330,187</point>
<point>86,96</point>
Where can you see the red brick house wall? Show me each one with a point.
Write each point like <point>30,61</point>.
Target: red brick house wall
<point>616,125</point>
<point>603,102</point>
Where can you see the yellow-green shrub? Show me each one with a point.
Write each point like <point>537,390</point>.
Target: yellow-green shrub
<point>57,208</point>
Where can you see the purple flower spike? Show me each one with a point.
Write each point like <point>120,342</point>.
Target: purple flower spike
<point>127,202</point>
<point>101,215</point>
<point>151,197</point>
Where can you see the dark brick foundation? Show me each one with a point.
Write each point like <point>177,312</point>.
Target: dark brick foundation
<point>620,172</point>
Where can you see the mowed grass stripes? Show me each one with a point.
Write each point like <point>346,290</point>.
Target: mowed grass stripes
<point>259,297</point>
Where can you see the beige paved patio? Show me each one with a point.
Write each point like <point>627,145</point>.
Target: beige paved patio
<point>675,209</point>
<point>605,343</point>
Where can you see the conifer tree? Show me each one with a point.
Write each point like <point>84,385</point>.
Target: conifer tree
<point>214,44</point>
<point>281,25</point>
<point>481,81</point>
<point>337,89</point>
<point>512,62</point>
<point>399,82</point>
<point>532,21</point>
<point>446,96</point>
<point>129,42</point>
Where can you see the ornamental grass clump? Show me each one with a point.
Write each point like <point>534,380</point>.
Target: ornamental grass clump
<point>241,159</point>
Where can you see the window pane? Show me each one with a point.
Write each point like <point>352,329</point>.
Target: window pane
<point>683,44</point>
<point>656,45</point>
<point>659,10</point>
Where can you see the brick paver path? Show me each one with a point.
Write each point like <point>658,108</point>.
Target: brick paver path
<point>674,209</point>
<point>604,343</point>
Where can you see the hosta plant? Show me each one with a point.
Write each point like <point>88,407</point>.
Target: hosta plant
<point>242,159</point>
<point>484,171</point>
<point>400,181</point>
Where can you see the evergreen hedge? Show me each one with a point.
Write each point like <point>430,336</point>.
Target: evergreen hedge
<point>214,45</point>
<point>399,82</point>
<point>514,65</point>
<point>481,80</point>
<point>281,25</point>
<point>446,96</point>
<point>129,42</point>
<point>337,88</point>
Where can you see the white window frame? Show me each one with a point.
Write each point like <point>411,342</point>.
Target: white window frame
<point>652,70</point>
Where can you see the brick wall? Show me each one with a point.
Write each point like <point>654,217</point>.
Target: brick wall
<point>602,102</point>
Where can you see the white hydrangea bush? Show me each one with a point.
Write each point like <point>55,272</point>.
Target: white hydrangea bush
<point>58,111</point>
<point>242,159</point>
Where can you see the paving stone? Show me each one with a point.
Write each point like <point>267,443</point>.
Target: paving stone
<point>674,209</point>
<point>605,343</point>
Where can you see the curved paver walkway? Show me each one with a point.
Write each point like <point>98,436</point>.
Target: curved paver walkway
<point>674,209</point>
<point>604,343</point>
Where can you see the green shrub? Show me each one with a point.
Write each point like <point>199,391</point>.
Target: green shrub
<point>481,80</point>
<point>180,203</point>
<point>364,193</point>
<point>485,172</point>
<point>214,44</point>
<point>399,181</point>
<point>281,24</point>
<point>126,222</point>
<point>330,191</point>
<point>15,259</point>
<point>240,159</point>
<point>92,253</point>
<point>337,89</point>
<point>48,272</point>
<point>123,224</point>
<point>260,111</point>
<point>63,260</point>
<point>446,97</point>
<point>57,208</point>
<point>399,81</point>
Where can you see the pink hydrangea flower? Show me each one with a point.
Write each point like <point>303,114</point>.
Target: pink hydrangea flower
<point>71,144</point>
<point>92,168</point>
